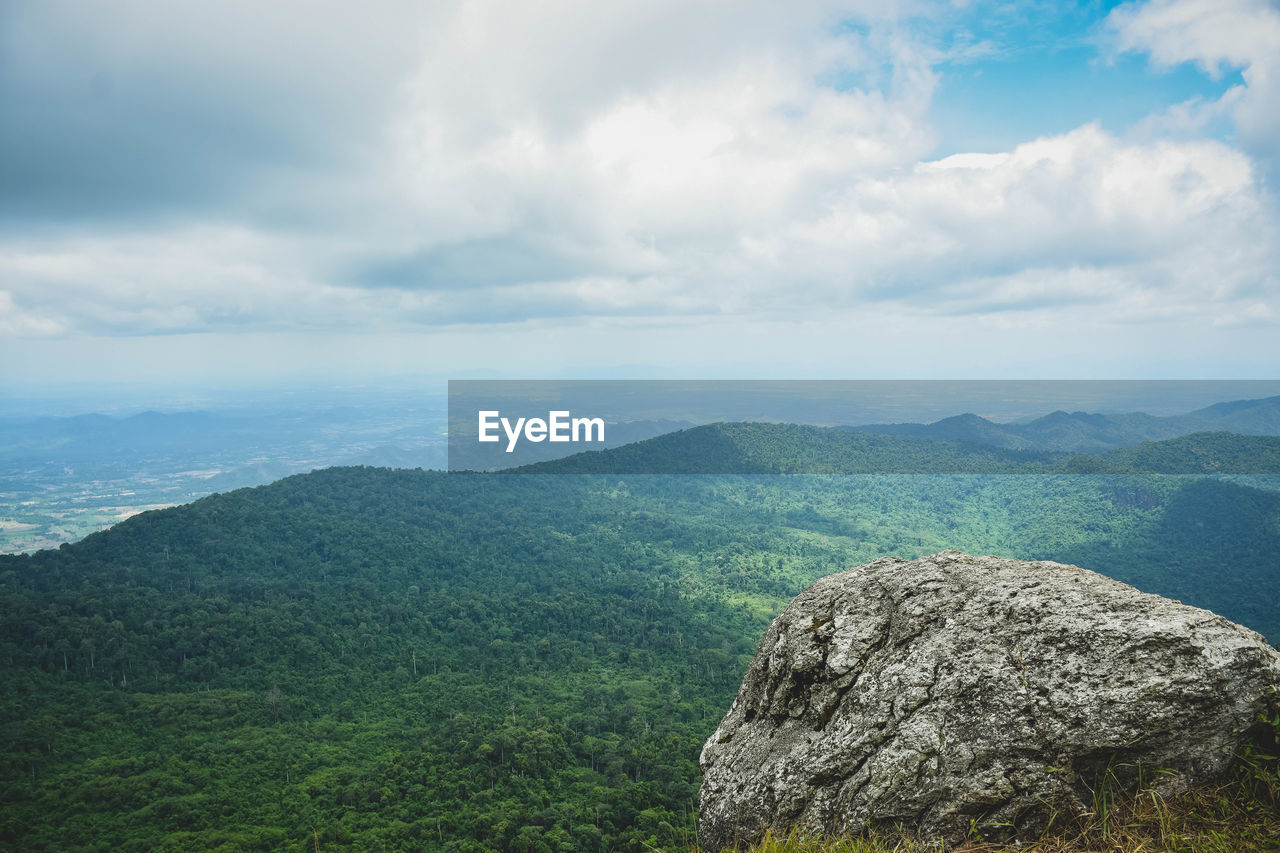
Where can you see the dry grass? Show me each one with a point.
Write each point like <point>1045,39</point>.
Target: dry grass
<point>1238,817</point>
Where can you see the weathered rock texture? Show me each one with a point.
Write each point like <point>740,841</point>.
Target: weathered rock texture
<point>956,691</point>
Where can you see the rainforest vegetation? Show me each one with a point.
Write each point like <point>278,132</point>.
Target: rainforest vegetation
<point>363,658</point>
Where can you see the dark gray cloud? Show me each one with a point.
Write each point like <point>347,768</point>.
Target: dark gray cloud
<point>134,110</point>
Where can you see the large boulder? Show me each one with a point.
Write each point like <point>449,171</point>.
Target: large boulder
<point>957,692</point>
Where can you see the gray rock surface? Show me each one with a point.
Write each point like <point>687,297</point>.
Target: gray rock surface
<point>954,692</point>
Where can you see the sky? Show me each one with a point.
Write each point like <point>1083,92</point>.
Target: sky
<point>251,195</point>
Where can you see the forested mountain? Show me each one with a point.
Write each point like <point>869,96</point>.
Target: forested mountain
<point>64,477</point>
<point>1199,453</point>
<point>417,660</point>
<point>1084,432</point>
<point>766,448</point>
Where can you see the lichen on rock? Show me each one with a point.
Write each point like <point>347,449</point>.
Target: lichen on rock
<point>953,692</point>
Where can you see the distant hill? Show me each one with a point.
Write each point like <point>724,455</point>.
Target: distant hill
<point>65,477</point>
<point>967,428</point>
<point>1198,453</point>
<point>1251,417</point>
<point>759,448</point>
<point>1083,432</point>
<point>762,448</point>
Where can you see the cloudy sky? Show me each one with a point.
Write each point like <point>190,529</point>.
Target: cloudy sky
<point>248,192</point>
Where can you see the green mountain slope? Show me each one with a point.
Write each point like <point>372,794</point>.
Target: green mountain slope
<point>411,660</point>
<point>1200,453</point>
<point>767,448</point>
<point>1252,417</point>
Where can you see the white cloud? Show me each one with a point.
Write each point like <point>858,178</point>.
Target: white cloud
<point>174,281</point>
<point>639,162</point>
<point>1079,218</point>
<point>565,121</point>
<point>1219,36</point>
<point>1128,231</point>
<point>1257,314</point>
<point>23,324</point>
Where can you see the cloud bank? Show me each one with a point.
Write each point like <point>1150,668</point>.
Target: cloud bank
<point>300,169</point>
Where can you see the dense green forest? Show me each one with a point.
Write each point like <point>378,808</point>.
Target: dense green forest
<point>374,659</point>
<point>1199,453</point>
<point>769,448</point>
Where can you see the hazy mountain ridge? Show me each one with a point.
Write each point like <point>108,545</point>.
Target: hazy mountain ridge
<point>1216,452</point>
<point>765,448</point>
<point>1083,432</point>
<point>62,478</point>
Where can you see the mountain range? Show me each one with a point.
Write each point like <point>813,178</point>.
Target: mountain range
<point>1083,432</point>
<point>366,658</point>
<point>766,448</point>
